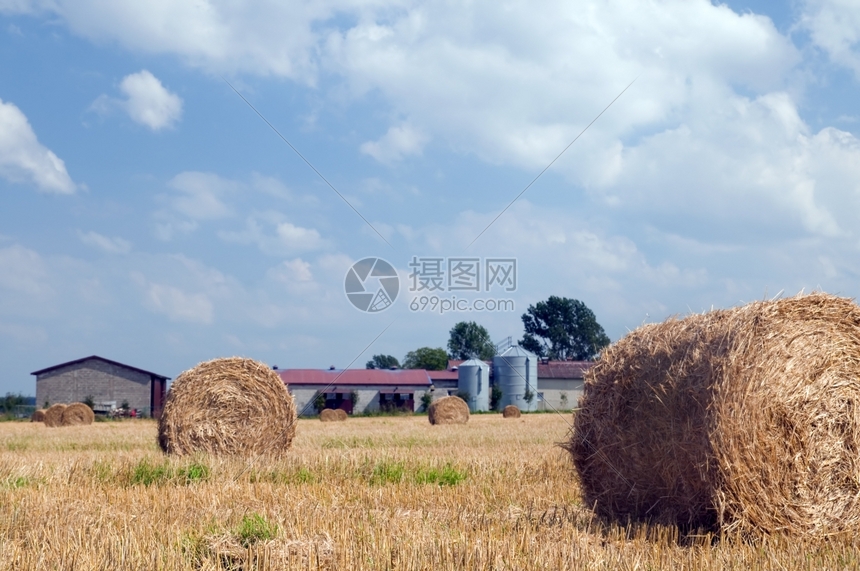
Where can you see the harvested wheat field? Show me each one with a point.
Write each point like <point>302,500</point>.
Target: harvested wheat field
<point>373,493</point>
<point>744,419</point>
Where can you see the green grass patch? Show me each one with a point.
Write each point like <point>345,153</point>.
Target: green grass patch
<point>447,475</point>
<point>255,528</point>
<point>300,475</point>
<point>16,482</point>
<point>146,473</point>
<point>387,472</point>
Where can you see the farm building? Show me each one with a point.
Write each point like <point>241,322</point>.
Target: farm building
<point>108,383</point>
<point>375,389</point>
<point>560,383</point>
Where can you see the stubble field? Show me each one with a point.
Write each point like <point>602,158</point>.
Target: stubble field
<point>369,493</point>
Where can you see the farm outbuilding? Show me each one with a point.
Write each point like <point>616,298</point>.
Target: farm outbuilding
<point>375,389</point>
<point>108,383</point>
<point>560,383</point>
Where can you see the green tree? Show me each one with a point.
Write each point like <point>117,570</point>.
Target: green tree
<point>426,401</point>
<point>11,401</point>
<point>382,362</point>
<point>562,328</point>
<point>426,358</point>
<point>495,397</point>
<point>470,341</point>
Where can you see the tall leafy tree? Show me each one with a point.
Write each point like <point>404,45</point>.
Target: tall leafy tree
<point>469,340</point>
<point>426,358</point>
<point>382,362</point>
<point>563,328</point>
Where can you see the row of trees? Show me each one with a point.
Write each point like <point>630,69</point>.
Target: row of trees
<point>558,328</point>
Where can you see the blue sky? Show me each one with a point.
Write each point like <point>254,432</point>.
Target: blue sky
<point>149,216</point>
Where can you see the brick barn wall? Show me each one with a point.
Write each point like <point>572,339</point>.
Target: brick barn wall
<point>103,381</point>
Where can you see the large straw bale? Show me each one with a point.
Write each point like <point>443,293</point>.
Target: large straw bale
<point>77,414</point>
<point>341,414</point>
<point>449,410</point>
<point>38,416</point>
<point>511,411</point>
<point>332,415</point>
<point>230,406</point>
<point>745,419</point>
<point>54,415</point>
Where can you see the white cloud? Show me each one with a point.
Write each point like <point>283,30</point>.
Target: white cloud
<point>400,141</point>
<point>179,305</point>
<point>275,236</point>
<point>146,102</point>
<point>834,26</point>
<point>113,245</point>
<point>23,271</point>
<point>198,196</point>
<point>23,159</point>
<point>149,102</point>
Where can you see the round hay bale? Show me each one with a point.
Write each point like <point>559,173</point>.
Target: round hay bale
<point>54,415</point>
<point>329,415</point>
<point>341,414</point>
<point>511,411</point>
<point>77,414</point>
<point>745,420</point>
<point>230,406</point>
<point>448,410</point>
<point>38,416</point>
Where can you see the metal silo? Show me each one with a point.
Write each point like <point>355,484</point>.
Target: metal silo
<point>515,373</point>
<point>473,377</point>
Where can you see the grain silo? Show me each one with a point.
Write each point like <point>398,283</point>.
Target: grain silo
<point>515,373</point>
<point>473,379</point>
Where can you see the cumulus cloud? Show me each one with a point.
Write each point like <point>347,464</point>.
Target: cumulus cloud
<point>23,159</point>
<point>146,101</point>
<point>400,141</point>
<point>113,245</point>
<point>834,26</point>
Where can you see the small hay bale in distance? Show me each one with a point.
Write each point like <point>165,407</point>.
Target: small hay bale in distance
<point>77,414</point>
<point>511,411</point>
<point>745,420</point>
<point>38,416</point>
<point>341,414</point>
<point>331,415</point>
<point>448,410</point>
<point>230,406</point>
<point>54,415</point>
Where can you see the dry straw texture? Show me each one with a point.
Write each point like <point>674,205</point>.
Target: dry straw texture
<point>332,415</point>
<point>745,420</point>
<point>449,410</point>
<point>228,406</point>
<point>511,411</point>
<point>54,415</point>
<point>77,414</point>
<point>38,416</point>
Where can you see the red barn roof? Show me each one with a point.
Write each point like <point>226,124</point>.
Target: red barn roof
<point>355,377</point>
